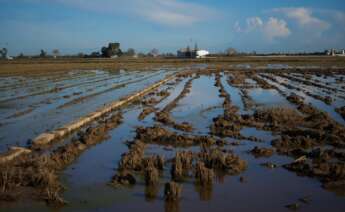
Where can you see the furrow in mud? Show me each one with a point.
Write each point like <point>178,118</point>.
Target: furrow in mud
<point>164,116</point>
<point>53,84</point>
<point>306,82</point>
<point>57,89</point>
<point>90,96</point>
<point>311,100</point>
<point>310,92</point>
<point>259,131</point>
<point>38,172</point>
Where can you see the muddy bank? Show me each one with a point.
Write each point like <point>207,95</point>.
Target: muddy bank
<point>47,138</point>
<point>230,123</point>
<point>164,116</point>
<point>341,111</point>
<point>162,136</point>
<point>34,175</point>
<point>150,163</point>
<point>201,166</point>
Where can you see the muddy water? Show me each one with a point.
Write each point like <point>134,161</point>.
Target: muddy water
<point>200,106</point>
<point>24,118</point>
<point>263,189</point>
<point>234,93</point>
<point>330,109</point>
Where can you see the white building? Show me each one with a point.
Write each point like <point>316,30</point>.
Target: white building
<point>334,52</point>
<point>202,53</point>
<point>192,53</point>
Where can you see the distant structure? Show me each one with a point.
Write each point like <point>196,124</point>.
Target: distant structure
<point>334,52</point>
<point>3,53</point>
<point>192,53</point>
<point>113,50</point>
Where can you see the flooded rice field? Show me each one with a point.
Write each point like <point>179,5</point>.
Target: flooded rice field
<point>219,140</point>
<point>31,106</point>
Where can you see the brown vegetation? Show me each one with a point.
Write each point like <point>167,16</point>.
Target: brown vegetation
<point>39,172</point>
<point>341,111</point>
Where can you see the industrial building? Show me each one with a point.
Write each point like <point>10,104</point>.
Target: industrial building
<point>192,53</point>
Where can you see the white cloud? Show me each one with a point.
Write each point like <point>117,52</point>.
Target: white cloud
<point>275,28</point>
<point>165,12</point>
<point>254,22</point>
<point>271,29</point>
<point>304,17</point>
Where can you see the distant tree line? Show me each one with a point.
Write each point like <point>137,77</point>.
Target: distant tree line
<point>230,52</point>
<point>113,50</point>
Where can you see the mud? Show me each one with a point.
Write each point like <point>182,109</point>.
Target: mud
<point>222,160</point>
<point>182,165</point>
<point>172,191</point>
<point>146,112</point>
<point>203,175</point>
<point>162,136</point>
<point>249,147</point>
<point>262,83</point>
<point>90,96</point>
<point>34,174</point>
<point>331,174</point>
<point>123,179</point>
<point>262,152</point>
<point>248,102</point>
<point>228,124</point>
<point>341,111</point>
<point>164,117</point>
<point>277,119</point>
<point>39,171</point>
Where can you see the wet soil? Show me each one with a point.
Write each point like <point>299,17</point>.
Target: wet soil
<point>251,140</point>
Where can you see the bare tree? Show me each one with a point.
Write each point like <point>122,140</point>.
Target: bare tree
<point>130,52</point>
<point>43,53</point>
<point>56,53</point>
<point>3,53</point>
<point>154,52</point>
<point>21,55</point>
<point>231,51</point>
<point>80,55</point>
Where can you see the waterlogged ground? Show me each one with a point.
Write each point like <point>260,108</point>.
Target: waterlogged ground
<point>32,105</point>
<point>231,140</point>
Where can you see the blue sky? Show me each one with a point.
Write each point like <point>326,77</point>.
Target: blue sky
<point>248,25</point>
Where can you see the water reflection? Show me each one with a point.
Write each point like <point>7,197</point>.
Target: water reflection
<point>151,192</point>
<point>205,191</point>
<point>172,206</point>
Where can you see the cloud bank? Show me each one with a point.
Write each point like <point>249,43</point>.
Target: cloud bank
<point>271,29</point>
<point>304,17</point>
